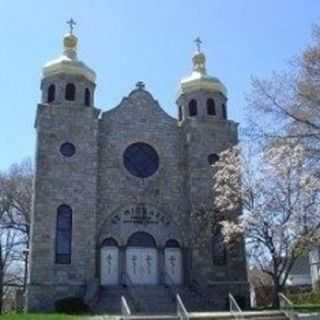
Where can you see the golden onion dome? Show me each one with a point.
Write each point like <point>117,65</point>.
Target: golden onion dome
<point>199,79</point>
<point>68,62</point>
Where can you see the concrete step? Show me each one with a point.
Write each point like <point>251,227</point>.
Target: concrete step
<point>146,300</point>
<point>248,315</point>
<point>213,316</point>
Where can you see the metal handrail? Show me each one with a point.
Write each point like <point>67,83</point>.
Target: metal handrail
<point>286,306</point>
<point>126,280</point>
<point>169,283</point>
<point>182,312</point>
<point>235,310</point>
<point>125,310</point>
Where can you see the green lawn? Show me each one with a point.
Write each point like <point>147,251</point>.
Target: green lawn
<point>21,316</point>
<point>52,316</point>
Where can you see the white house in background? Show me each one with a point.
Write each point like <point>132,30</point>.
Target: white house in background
<point>314,260</point>
<point>300,275</point>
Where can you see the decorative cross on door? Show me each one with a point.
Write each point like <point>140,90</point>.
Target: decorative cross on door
<point>149,260</point>
<point>134,264</point>
<point>109,262</point>
<point>172,260</point>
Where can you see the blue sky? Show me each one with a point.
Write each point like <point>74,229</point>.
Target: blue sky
<point>151,40</point>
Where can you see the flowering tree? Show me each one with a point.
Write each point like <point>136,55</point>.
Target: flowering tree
<point>287,104</point>
<point>280,197</point>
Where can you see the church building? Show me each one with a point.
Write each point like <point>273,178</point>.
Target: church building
<point>114,192</point>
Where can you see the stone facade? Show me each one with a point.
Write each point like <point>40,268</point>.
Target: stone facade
<point>109,202</point>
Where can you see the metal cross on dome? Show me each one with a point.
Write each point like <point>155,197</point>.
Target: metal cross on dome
<point>198,43</point>
<point>71,24</point>
<point>140,85</point>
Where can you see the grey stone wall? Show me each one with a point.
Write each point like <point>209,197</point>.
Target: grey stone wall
<point>99,189</point>
<point>61,180</point>
<point>139,118</point>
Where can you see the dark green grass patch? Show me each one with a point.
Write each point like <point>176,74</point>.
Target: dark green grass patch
<point>39,316</point>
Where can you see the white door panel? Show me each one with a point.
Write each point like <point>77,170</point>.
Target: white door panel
<point>173,264</point>
<point>109,266</point>
<point>142,265</point>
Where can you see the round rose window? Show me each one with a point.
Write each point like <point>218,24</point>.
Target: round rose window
<point>141,160</point>
<point>67,149</point>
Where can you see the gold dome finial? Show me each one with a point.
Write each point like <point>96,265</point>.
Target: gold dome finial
<point>199,59</point>
<point>68,62</point>
<point>70,41</point>
<point>199,79</point>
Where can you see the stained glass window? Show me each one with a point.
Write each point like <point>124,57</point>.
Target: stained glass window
<point>218,247</point>
<point>141,160</point>
<point>63,235</point>
<point>67,149</point>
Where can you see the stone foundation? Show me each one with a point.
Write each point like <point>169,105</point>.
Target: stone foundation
<point>42,298</point>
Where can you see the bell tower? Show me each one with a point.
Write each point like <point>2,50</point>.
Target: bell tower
<point>202,115</point>
<point>207,131</point>
<point>201,96</point>
<point>62,260</point>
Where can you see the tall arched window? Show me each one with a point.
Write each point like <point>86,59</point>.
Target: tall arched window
<point>219,254</point>
<point>224,111</point>
<point>193,110</point>
<point>87,97</point>
<point>211,107</point>
<point>63,234</point>
<point>51,93</point>
<point>70,93</point>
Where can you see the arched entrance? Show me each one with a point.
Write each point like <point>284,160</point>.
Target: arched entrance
<point>142,259</point>
<point>109,262</point>
<point>173,261</point>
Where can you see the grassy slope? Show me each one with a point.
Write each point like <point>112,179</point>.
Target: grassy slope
<point>39,317</point>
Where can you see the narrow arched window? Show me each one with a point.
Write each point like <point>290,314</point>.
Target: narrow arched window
<point>180,113</point>
<point>51,93</point>
<point>213,158</point>
<point>224,111</point>
<point>219,255</point>
<point>63,235</point>
<point>87,97</point>
<point>211,107</point>
<point>193,109</point>
<point>70,93</point>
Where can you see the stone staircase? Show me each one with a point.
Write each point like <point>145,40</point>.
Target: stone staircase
<point>141,299</point>
<point>159,303</point>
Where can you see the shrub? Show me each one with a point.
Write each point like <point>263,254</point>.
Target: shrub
<point>71,305</point>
